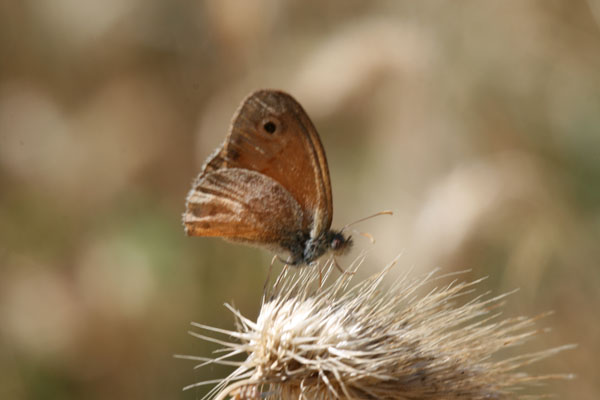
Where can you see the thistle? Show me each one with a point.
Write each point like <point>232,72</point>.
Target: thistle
<point>314,341</point>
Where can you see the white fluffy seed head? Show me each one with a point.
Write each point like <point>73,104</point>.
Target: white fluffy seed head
<point>375,341</point>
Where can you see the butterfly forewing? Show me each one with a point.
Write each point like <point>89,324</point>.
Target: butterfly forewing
<point>272,135</point>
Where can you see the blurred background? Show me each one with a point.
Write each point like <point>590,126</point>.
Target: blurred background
<point>478,123</point>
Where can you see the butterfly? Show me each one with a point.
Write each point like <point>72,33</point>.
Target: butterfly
<point>268,184</point>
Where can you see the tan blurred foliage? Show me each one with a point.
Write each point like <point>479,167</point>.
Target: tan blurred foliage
<point>478,123</point>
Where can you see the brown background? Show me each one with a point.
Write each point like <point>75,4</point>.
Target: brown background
<point>478,123</point>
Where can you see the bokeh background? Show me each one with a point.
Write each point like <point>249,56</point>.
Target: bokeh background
<point>478,123</point>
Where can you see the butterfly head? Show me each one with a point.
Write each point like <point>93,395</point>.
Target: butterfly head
<point>338,243</point>
<point>313,248</point>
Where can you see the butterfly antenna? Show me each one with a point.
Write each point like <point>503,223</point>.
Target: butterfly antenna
<point>387,212</point>
<point>365,234</point>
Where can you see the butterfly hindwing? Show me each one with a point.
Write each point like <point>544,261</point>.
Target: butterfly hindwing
<point>240,204</point>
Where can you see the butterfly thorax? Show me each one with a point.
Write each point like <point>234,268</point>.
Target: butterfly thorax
<point>305,249</point>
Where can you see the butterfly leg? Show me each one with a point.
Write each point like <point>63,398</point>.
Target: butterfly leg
<point>269,275</point>
<point>340,268</point>
<point>294,263</point>
<point>320,276</point>
<point>280,277</point>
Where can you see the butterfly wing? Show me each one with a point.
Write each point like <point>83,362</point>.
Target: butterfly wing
<point>242,205</point>
<point>271,134</point>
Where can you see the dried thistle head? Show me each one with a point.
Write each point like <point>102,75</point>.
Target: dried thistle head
<point>373,341</point>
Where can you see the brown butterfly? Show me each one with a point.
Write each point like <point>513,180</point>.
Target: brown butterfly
<point>268,184</point>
